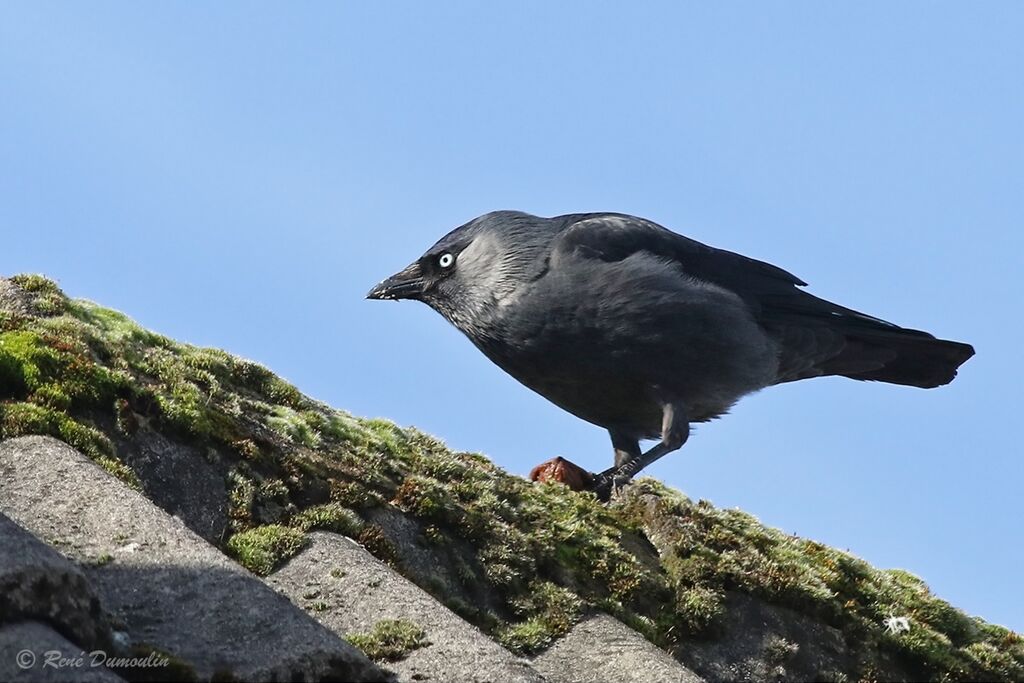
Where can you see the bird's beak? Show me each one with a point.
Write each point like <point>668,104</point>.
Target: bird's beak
<point>407,284</point>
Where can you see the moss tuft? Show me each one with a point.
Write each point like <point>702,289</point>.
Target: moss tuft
<point>241,498</point>
<point>47,298</point>
<point>120,470</point>
<point>373,538</point>
<point>777,650</point>
<point>294,426</point>
<point>390,640</point>
<point>20,419</point>
<point>101,560</point>
<point>36,284</point>
<point>52,372</point>
<point>354,495</point>
<point>525,637</point>
<point>552,611</point>
<point>425,498</point>
<point>697,607</point>
<point>263,549</point>
<point>329,517</point>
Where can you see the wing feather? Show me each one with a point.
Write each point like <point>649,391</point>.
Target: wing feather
<point>815,336</point>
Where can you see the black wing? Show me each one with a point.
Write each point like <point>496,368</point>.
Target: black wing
<point>816,337</point>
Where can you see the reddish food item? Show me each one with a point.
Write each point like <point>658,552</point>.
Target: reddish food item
<point>560,469</point>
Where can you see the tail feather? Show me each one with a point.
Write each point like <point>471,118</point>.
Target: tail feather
<point>898,356</point>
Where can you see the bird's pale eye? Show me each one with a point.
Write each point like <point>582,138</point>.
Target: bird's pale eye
<point>446,261</point>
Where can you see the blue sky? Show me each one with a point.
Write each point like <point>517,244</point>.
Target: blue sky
<point>239,175</point>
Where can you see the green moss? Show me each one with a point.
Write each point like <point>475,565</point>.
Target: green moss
<point>532,635</point>
<point>932,648</point>
<point>552,611</point>
<point>373,538</point>
<point>337,427</point>
<point>248,449</point>
<point>13,383</point>
<point>390,640</point>
<point>263,549</point>
<point>282,392</point>
<point>47,298</point>
<point>354,495</point>
<point>706,547</point>
<point>241,498</point>
<point>995,663</point>
<point>527,559</point>
<point>125,419</point>
<point>386,437</point>
<point>697,607</point>
<point>329,517</point>
<point>183,407</point>
<point>53,372</point>
<point>110,329</point>
<point>293,426</point>
<point>425,498</point>
<point>103,559</point>
<point>778,650</point>
<point>52,396</point>
<point>27,358</point>
<point>120,470</point>
<point>21,419</point>
<point>36,284</point>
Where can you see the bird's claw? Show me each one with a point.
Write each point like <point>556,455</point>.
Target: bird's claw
<point>608,484</point>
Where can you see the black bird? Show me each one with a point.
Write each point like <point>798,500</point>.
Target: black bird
<point>642,331</point>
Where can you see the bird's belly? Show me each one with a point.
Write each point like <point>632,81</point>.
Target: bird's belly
<point>608,392</point>
<point>622,405</point>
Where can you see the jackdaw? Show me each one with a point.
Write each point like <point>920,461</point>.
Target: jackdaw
<point>642,331</point>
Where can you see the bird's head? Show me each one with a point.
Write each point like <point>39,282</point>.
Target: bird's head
<point>473,269</point>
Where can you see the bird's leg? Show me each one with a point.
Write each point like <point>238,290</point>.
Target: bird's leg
<point>626,447</point>
<point>675,429</point>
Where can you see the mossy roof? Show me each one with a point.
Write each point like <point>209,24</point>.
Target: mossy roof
<point>542,554</point>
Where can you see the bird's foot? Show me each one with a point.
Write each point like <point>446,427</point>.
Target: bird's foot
<point>608,483</point>
<point>561,470</point>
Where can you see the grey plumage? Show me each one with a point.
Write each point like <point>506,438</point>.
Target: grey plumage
<point>642,331</point>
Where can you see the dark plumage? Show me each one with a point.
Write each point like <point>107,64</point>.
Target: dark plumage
<point>642,331</point>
